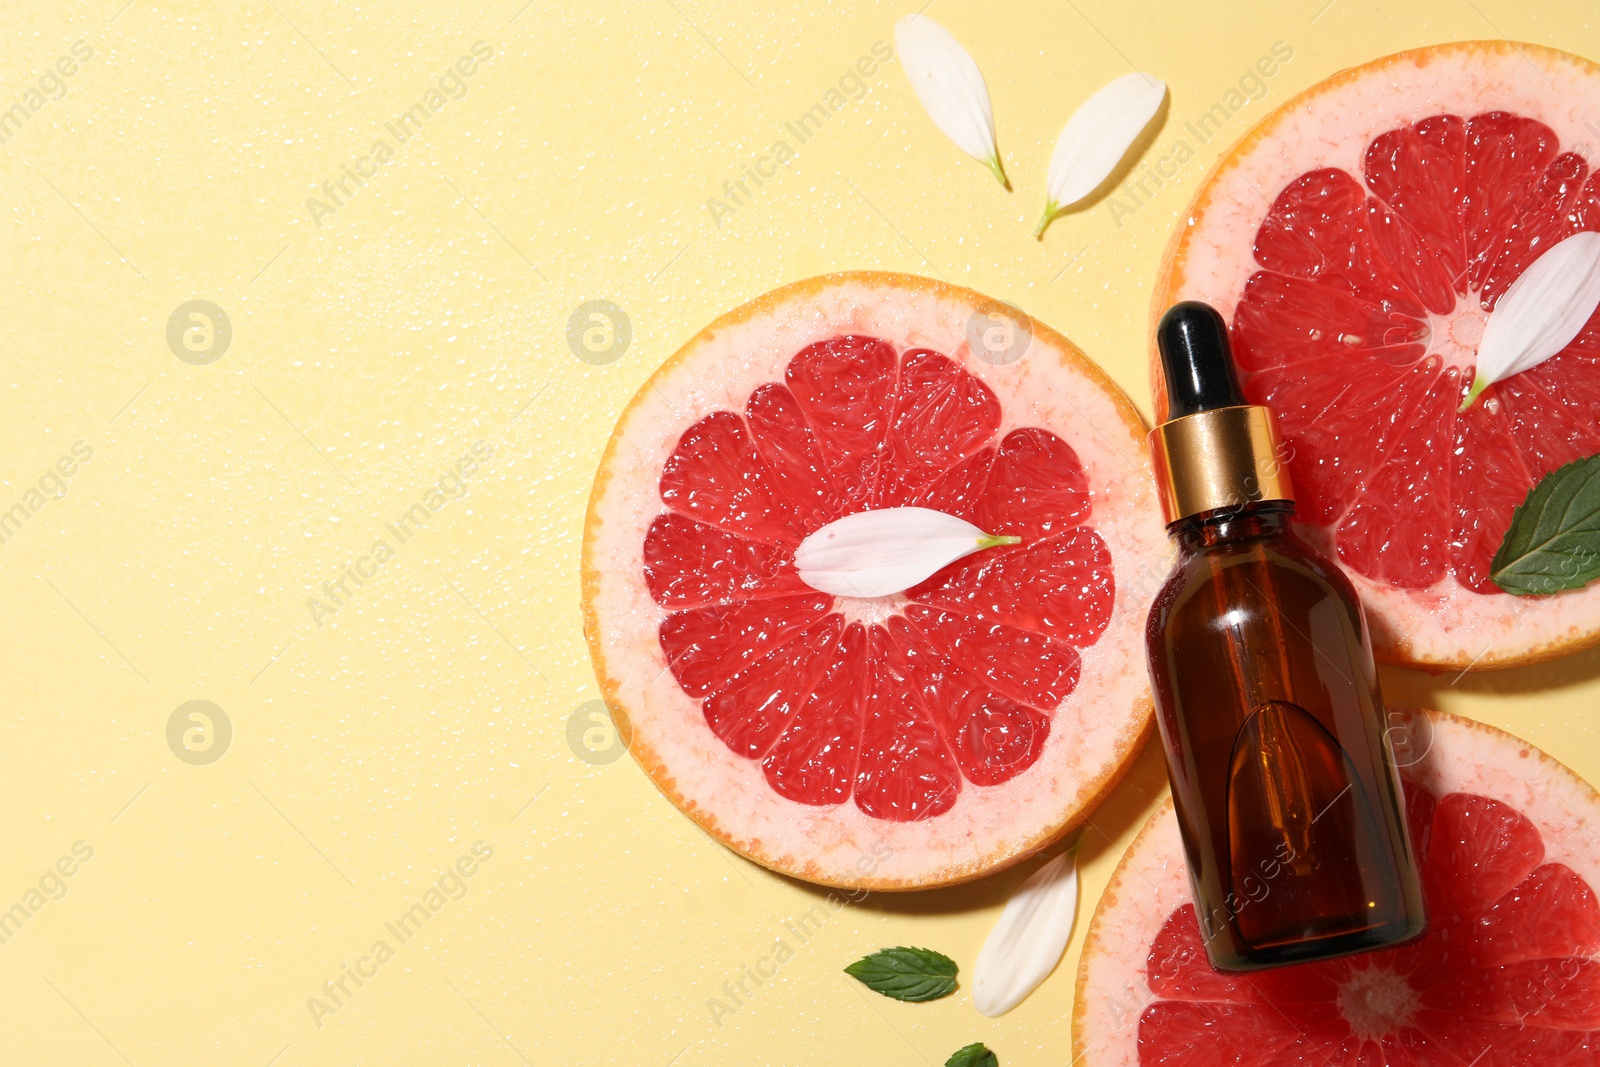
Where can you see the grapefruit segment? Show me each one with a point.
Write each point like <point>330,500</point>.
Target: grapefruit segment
<point>1550,913</point>
<point>706,646</point>
<point>1357,273</point>
<point>755,706</point>
<point>814,761</point>
<point>1025,665</point>
<point>907,770</point>
<point>940,732</point>
<point>959,490</point>
<point>1491,479</point>
<point>1507,973</point>
<point>942,416</point>
<point>716,477</point>
<point>1061,587</point>
<point>843,386</point>
<point>787,446</point>
<point>1521,994</point>
<point>1481,848</point>
<point>688,564</point>
<point>1036,487</point>
<point>993,737</point>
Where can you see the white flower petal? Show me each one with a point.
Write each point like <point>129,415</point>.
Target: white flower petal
<point>950,86</point>
<point>876,553</point>
<point>1096,138</point>
<point>1027,942</point>
<point>1541,313</point>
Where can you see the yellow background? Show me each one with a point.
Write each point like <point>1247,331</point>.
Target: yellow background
<point>370,352</point>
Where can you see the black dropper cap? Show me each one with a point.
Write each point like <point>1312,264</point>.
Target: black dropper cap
<point>1196,360</point>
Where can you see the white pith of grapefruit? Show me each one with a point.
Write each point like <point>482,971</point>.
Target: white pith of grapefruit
<point>902,742</point>
<point>1356,240</point>
<point>1508,972</point>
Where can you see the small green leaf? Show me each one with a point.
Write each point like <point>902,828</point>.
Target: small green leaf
<point>1554,539</point>
<point>914,974</point>
<point>976,1054</point>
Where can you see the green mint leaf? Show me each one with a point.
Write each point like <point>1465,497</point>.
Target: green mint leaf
<point>976,1054</point>
<point>914,974</point>
<point>1554,539</point>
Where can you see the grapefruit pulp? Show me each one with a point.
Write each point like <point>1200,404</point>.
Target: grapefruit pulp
<point>1357,240</point>
<point>1508,973</point>
<point>896,742</point>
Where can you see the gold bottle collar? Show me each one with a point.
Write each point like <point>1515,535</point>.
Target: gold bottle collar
<point>1223,458</point>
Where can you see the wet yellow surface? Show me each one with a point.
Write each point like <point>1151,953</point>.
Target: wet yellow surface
<point>289,281</point>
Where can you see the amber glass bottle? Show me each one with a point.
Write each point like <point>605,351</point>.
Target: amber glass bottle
<point>1287,796</point>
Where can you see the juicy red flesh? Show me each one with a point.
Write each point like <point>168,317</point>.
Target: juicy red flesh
<point>1335,332</point>
<point>959,684</point>
<point>1505,975</point>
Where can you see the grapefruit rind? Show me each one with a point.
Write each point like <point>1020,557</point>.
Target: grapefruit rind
<point>1151,880</point>
<point>1209,258</point>
<point>1095,734</point>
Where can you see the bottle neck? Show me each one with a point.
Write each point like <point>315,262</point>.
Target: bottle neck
<point>1264,518</point>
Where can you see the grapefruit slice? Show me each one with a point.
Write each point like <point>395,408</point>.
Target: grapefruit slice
<point>1508,973</point>
<point>1357,239</point>
<point>897,742</point>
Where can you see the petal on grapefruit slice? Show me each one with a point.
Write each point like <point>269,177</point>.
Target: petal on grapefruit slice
<point>1508,973</point>
<point>1357,240</point>
<point>897,742</point>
